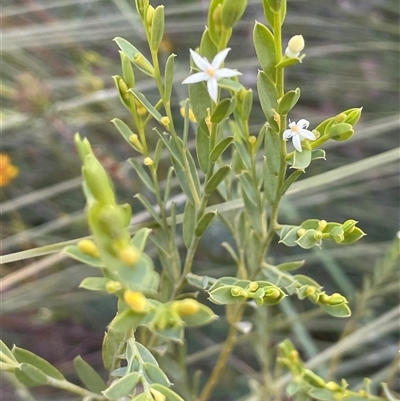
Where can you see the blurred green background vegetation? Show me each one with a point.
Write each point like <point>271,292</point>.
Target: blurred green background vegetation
<point>57,61</point>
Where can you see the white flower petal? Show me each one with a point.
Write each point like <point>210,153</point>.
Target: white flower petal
<point>303,123</point>
<point>308,134</point>
<point>291,54</point>
<point>212,87</point>
<point>219,58</point>
<point>201,62</point>
<point>194,78</point>
<point>226,73</point>
<point>287,134</point>
<point>297,142</point>
<point>292,123</point>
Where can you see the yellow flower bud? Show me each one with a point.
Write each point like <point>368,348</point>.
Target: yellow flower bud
<point>322,225</point>
<point>332,386</point>
<point>129,255</point>
<point>150,15</point>
<point>88,247</point>
<point>186,307</point>
<point>157,395</point>
<point>301,231</point>
<point>136,301</point>
<point>165,121</point>
<point>140,109</point>
<point>113,286</point>
<point>253,286</point>
<point>192,118</point>
<point>295,46</point>
<point>134,139</point>
<point>148,161</point>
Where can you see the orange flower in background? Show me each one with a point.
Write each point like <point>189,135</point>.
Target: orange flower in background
<point>7,170</point>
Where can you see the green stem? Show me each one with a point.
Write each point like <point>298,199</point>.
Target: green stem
<point>73,388</point>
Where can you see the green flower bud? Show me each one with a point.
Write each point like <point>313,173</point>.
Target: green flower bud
<point>349,226</point>
<point>313,379</point>
<point>143,64</point>
<point>232,11</point>
<point>97,180</point>
<point>341,132</point>
<point>238,291</point>
<point>113,286</point>
<point>337,299</point>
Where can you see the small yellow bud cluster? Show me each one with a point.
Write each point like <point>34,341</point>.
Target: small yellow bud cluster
<point>136,301</point>
<point>295,46</point>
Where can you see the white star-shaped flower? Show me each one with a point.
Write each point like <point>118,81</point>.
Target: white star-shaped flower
<point>298,132</point>
<point>210,72</point>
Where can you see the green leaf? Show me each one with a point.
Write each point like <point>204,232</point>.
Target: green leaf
<point>289,235</point>
<point>135,56</point>
<point>89,377</point>
<point>4,350</point>
<point>75,253</point>
<point>173,149</point>
<point>323,394</point>
<point>307,240</point>
<point>264,44</point>
<point>318,154</point>
<point>203,147</point>
<point>30,375</point>
<point>290,266</point>
<point>224,108</point>
<point>223,296</point>
<point>216,179</point>
<point>127,70</point>
<point>128,319</point>
<point>199,100</point>
<point>146,104</point>
<point>145,354</point>
<point>150,208</point>
<point>268,98</point>
<point>301,160</point>
<point>94,283</point>
<point>169,394</point>
<point>272,149</point>
<point>157,28</point>
<point>207,46</point>
<point>155,374</point>
<point>193,172</point>
<point>203,223</point>
<point>289,181</point>
<point>111,345</point>
<point>271,182</point>
<point>341,132</point>
<point>269,13</point>
<point>219,148</point>
<point>25,356</point>
<point>288,101</point>
<point>287,61</point>
<point>169,76</point>
<point>125,131</point>
<point>141,172</point>
<point>341,310</point>
<point>122,387</point>
<point>230,85</point>
<point>352,237</point>
<point>189,220</point>
<point>140,238</point>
